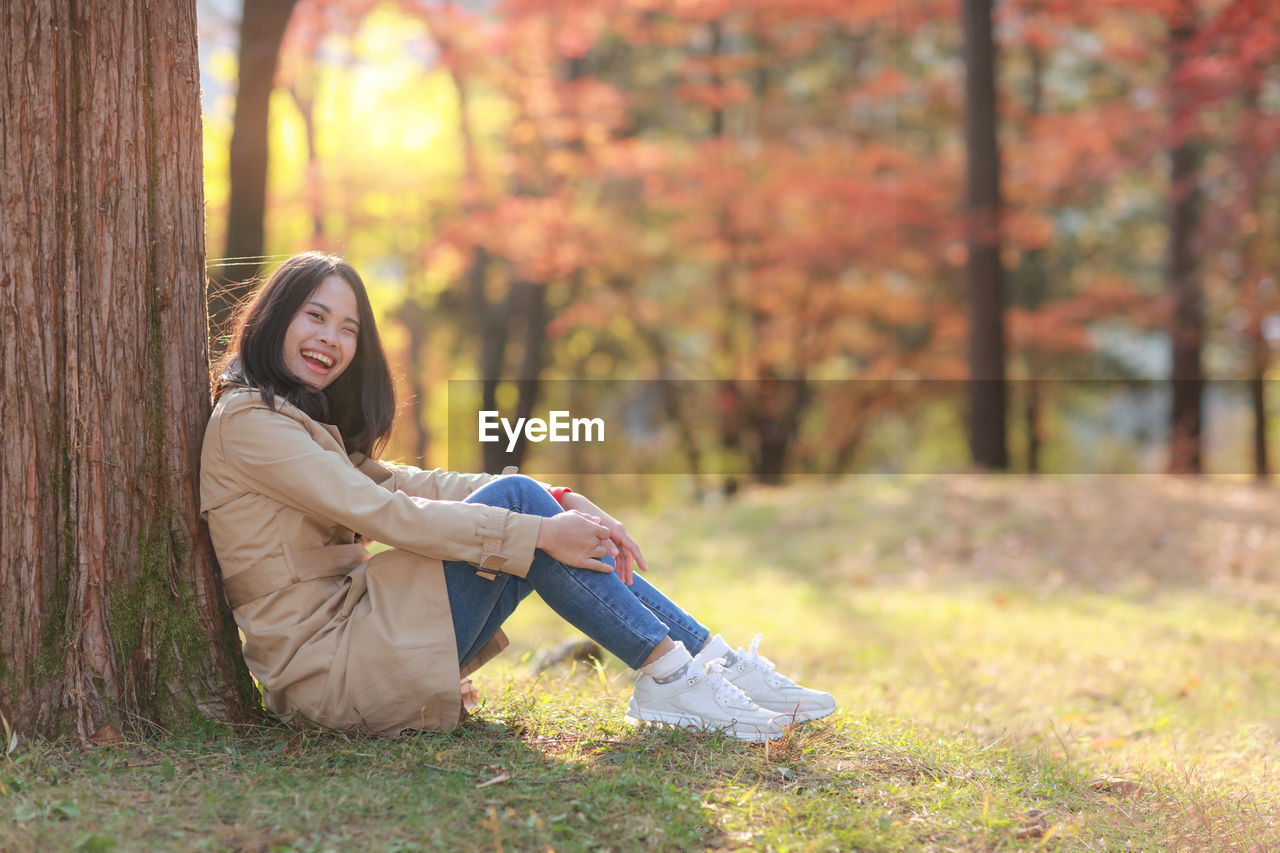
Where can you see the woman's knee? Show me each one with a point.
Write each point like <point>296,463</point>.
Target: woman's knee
<point>523,482</point>
<point>519,491</point>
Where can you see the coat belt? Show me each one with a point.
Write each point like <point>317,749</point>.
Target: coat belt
<point>296,566</point>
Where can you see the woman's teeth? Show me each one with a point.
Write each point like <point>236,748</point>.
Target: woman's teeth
<point>325,361</point>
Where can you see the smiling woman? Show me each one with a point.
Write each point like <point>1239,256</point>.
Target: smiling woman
<point>322,338</point>
<point>308,336</point>
<point>291,488</point>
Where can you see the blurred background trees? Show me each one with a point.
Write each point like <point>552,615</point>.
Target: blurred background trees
<point>758,212</point>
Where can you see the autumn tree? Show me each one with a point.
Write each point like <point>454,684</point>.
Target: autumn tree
<point>111,612</point>
<point>1225,73</point>
<point>765,195</point>
<point>984,270</point>
<point>1187,322</point>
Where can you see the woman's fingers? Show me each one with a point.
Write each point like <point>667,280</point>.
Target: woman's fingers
<point>576,540</point>
<point>633,550</point>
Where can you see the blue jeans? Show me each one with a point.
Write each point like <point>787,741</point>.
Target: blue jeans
<point>629,621</point>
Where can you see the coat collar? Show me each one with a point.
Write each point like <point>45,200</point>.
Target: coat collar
<point>247,397</point>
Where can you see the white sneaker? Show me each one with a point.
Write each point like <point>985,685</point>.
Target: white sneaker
<point>754,675</point>
<point>702,700</point>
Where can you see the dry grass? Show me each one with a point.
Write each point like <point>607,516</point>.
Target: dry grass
<point>1057,664</point>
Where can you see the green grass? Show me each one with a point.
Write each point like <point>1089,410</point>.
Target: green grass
<point>1074,664</point>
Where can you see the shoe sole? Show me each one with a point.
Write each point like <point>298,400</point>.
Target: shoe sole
<point>792,716</point>
<point>741,731</point>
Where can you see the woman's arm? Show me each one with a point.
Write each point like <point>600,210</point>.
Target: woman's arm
<point>436,484</point>
<point>274,455</point>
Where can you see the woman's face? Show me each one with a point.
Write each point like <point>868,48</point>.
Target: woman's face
<point>321,340</point>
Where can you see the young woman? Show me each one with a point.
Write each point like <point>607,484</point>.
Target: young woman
<point>291,488</point>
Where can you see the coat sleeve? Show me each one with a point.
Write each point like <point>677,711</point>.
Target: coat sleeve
<point>276,456</point>
<point>436,484</point>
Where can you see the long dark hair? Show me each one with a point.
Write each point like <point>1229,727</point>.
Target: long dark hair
<point>360,402</point>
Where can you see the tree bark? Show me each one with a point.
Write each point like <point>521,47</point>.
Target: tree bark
<point>1186,332</point>
<point>262,28</point>
<point>111,611</point>
<point>985,273</point>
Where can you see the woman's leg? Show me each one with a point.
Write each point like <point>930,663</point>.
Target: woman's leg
<point>680,625</point>
<point>624,619</point>
<point>628,621</point>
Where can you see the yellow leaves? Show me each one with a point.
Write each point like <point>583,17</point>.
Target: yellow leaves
<point>222,65</point>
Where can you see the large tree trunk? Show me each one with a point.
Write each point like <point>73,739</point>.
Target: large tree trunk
<point>987,391</point>
<point>1186,332</point>
<point>110,607</point>
<point>262,29</point>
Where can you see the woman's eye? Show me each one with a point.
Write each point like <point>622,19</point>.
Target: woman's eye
<point>351,331</point>
<point>315,315</point>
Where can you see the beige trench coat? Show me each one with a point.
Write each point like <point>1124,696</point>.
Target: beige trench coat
<point>348,642</point>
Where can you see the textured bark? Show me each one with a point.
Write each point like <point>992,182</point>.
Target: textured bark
<point>1186,332</point>
<point>987,386</point>
<point>110,607</point>
<point>262,29</point>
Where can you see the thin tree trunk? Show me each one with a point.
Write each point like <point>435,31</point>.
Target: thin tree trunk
<point>1186,333</point>
<point>776,413</point>
<point>1253,157</point>
<point>987,387</point>
<point>491,327</point>
<point>111,611</point>
<point>731,400</point>
<point>1033,424</point>
<point>1258,400</point>
<point>528,301</point>
<point>304,98</point>
<point>413,316</point>
<point>1035,286</point>
<point>262,28</point>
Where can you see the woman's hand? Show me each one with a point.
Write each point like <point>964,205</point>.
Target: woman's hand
<point>628,556</point>
<point>577,540</point>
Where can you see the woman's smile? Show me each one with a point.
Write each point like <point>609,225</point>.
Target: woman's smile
<point>318,361</point>
<point>321,341</point>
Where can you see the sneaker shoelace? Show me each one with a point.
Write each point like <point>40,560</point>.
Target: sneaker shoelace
<point>758,661</point>
<point>725,691</point>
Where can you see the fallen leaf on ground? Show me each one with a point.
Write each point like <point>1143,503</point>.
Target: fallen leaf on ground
<point>106,736</point>
<point>1116,785</point>
<point>502,776</point>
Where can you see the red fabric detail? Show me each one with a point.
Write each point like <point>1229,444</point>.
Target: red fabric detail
<point>558,492</point>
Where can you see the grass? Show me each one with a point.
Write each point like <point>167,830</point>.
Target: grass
<point>1071,664</point>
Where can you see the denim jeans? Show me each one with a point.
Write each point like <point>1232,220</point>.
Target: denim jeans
<point>629,621</point>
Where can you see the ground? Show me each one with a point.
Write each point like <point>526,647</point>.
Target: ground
<point>1021,664</point>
